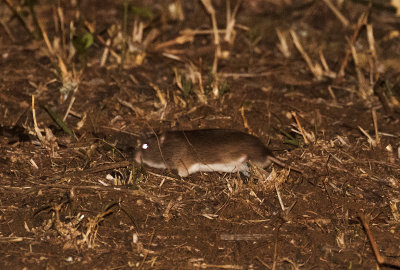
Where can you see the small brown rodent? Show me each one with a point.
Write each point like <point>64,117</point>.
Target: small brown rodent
<point>206,150</point>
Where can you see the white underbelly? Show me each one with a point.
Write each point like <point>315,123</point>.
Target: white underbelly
<point>234,166</point>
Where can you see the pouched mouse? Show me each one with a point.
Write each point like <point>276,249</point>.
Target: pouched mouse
<point>206,150</point>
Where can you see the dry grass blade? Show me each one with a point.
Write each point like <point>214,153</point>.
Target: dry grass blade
<point>302,131</point>
<point>35,125</point>
<point>395,210</point>
<point>210,9</point>
<point>231,21</point>
<point>172,56</point>
<point>137,32</point>
<point>106,52</point>
<point>194,32</point>
<point>375,120</point>
<point>337,13</point>
<point>197,78</point>
<point>315,69</point>
<point>60,15</point>
<point>185,37</point>
<point>332,94</point>
<point>245,122</point>
<point>364,88</point>
<point>10,35</point>
<point>69,109</point>
<point>327,70</point>
<point>283,45</point>
<point>160,94</point>
<point>58,120</point>
<point>45,36</point>
<point>13,239</point>
<point>137,110</point>
<point>362,20</point>
<point>92,227</point>
<point>280,198</point>
<point>371,41</point>
<point>242,237</point>
<point>216,266</point>
<point>266,181</point>
<point>371,141</point>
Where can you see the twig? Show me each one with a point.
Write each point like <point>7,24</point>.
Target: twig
<point>276,248</point>
<point>137,192</point>
<point>263,263</point>
<point>246,75</point>
<point>382,260</point>
<point>19,16</point>
<point>100,168</point>
<point>148,247</point>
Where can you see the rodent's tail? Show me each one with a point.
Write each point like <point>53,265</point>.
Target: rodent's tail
<point>283,164</point>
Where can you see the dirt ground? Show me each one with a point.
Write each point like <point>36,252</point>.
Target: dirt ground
<point>82,81</point>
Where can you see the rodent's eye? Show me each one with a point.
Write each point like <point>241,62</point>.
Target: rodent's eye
<point>145,146</point>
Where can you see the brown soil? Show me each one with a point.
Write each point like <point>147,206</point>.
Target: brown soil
<point>80,202</point>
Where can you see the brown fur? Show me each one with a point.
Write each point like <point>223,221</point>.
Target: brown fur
<point>179,150</point>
